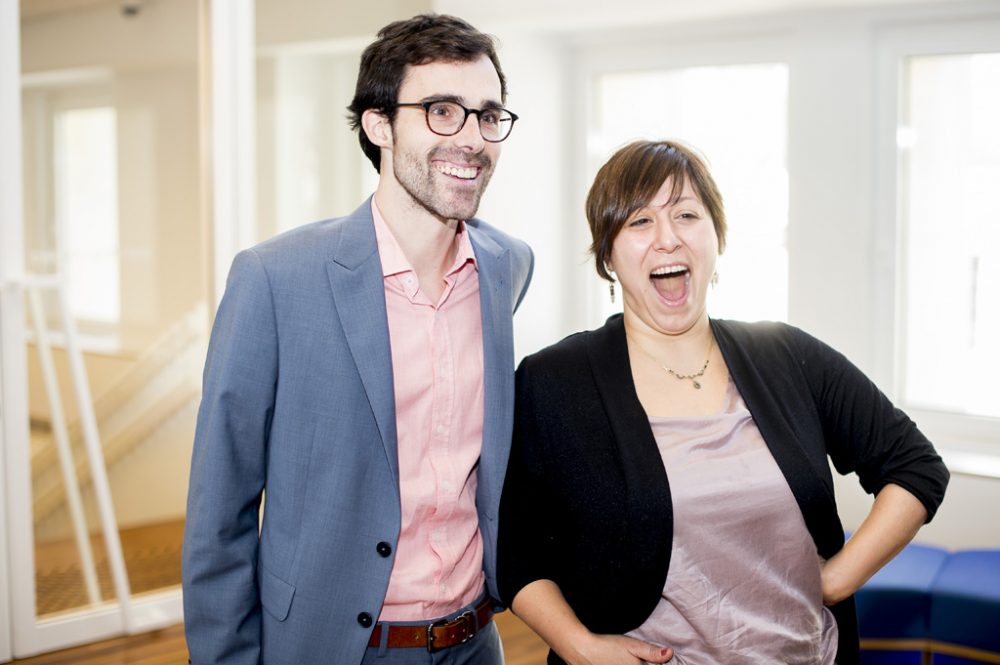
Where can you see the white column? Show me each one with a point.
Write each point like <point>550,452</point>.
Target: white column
<point>229,112</point>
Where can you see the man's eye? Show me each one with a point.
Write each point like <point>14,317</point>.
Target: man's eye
<point>441,110</point>
<point>490,117</point>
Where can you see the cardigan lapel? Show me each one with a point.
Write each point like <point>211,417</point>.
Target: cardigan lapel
<point>645,478</point>
<point>355,275</point>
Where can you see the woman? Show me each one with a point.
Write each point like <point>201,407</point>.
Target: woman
<point>669,493</point>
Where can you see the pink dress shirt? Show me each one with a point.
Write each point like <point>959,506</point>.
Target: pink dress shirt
<point>437,368</point>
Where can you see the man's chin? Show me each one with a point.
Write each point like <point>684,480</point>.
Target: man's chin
<point>462,211</point>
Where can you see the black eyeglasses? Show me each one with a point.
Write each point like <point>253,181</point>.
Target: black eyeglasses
<point>448,118</point>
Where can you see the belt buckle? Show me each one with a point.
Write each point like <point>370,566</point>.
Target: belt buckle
<point>467,618</point>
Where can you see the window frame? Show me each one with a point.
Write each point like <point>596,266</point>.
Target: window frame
<point>962,438</point>
<point>756,42</point>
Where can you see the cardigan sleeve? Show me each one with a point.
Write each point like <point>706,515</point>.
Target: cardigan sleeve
<point>865,433</point>
<point>526,543</point>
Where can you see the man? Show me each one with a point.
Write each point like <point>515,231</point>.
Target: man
<point>360,373</point>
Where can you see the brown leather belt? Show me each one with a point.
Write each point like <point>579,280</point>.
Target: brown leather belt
<point>438,635</point>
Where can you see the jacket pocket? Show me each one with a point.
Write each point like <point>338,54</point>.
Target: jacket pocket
<point>275,594</point>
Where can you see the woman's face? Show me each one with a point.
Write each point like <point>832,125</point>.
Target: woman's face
<point>664,257</point>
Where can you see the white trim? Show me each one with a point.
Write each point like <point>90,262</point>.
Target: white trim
<point>13,396</point>
<point>150,612</point>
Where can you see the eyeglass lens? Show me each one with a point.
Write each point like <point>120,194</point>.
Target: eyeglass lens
<point>448,118</point>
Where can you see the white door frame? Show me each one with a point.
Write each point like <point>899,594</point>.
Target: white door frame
<point>13,418</point>
<point>227,72</point>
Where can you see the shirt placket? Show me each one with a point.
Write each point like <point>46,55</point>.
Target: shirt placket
<point>442,424</point>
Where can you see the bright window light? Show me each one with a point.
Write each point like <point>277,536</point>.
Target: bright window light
<point>86,206</point>
<point>950,223</point>
<point>736,116</point>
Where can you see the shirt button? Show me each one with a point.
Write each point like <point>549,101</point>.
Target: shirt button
<point>365,620</point>
<point>440,429</point>
<point>384,549</point>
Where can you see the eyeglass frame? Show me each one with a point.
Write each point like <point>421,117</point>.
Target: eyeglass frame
<point>426,106</point>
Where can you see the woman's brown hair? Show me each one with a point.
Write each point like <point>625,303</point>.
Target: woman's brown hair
<point>629,180</point>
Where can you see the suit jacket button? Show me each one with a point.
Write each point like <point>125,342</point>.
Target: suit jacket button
<point>384,549</point>
<point>365,620</point>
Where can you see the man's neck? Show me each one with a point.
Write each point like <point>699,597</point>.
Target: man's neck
<point>427,241</point>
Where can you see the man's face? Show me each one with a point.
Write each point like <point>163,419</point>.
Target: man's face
<point>445,175</point>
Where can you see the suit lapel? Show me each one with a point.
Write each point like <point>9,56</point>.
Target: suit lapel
<point>355,274</point>
<point>496,311</point>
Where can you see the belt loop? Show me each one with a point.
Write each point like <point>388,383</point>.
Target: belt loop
<point>383,642</point>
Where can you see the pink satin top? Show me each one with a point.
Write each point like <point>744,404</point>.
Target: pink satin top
<point>744,579</point>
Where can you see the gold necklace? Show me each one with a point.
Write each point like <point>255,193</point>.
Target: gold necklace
<point>681,377</point>
<point>694,377</point>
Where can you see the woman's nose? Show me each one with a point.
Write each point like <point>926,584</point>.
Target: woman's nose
<point>666,238</point>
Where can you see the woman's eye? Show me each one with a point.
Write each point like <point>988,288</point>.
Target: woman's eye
<point>639,221</point>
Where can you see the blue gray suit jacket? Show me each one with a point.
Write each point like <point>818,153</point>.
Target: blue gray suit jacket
<point>298,404</point>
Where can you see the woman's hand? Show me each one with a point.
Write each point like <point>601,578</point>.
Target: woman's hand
<point>542,606</point>
<point>617,650</point>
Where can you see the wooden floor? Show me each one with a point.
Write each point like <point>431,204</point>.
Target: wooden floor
<point>152,557</point>
<point>167,647</point>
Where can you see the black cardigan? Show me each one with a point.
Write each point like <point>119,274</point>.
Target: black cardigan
<point>586,501</point>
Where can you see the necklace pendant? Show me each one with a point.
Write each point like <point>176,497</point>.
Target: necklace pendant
<point>696,384</point>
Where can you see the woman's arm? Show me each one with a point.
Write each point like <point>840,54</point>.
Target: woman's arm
<point>894,519</point>
<point>541,605</point>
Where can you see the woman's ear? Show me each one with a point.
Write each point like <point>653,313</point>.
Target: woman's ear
<point>377,128</point>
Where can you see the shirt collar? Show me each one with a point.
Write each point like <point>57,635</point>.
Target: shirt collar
<point>395,262</point>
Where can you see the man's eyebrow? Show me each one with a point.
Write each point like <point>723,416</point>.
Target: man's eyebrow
<point>489,104</point>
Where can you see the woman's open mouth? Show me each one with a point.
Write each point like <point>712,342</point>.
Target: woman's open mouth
<point>671,283</point>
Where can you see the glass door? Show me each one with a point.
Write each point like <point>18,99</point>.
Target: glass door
<point>105,315</point>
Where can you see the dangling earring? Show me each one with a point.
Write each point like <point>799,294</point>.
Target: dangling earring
<point>611,290</point>
<point>715,278</point>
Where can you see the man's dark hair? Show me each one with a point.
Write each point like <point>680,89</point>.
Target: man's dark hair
<point>420,40</point>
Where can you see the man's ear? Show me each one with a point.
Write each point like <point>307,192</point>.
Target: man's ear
<point>377,128</point>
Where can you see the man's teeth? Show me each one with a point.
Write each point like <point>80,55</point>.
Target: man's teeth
<point>668,271</point>
<point>458,172</point>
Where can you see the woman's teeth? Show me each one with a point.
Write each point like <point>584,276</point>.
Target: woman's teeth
<point>669,271</point>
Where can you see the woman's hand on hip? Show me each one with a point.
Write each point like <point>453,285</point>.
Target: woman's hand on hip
<point>618,650</point>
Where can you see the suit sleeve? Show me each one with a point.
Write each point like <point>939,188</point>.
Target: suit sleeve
<point>221,600</point>
<point>866,433</point>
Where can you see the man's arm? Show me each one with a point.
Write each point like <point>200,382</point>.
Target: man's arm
<point>221,599</point>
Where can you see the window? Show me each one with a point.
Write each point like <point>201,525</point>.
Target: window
<point>86,209</point>
<point>948,167</point>
<point>746,152</point>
